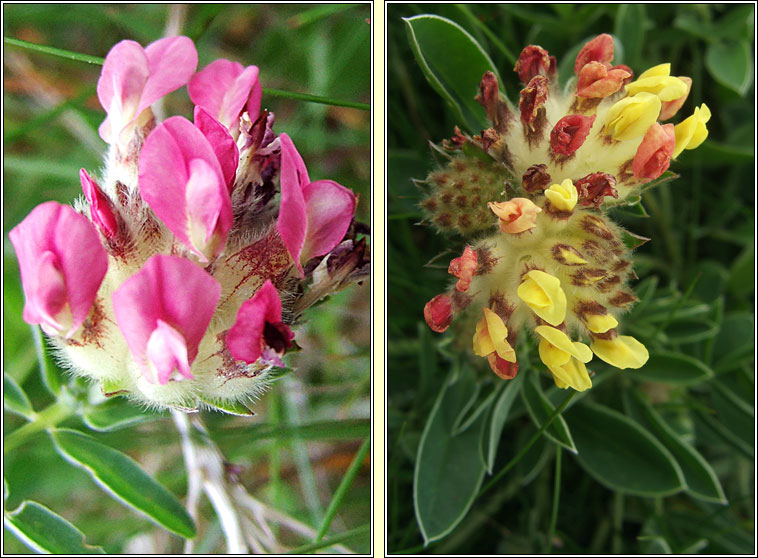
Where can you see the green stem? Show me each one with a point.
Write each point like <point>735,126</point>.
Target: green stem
<point>45,419</point>
<point>55,51</point>
<point>556,499</point>
<point>316,99</point>
<point>618,522</point>
<point>310,547</point>
<point>344,486</point>
<point>528,445</point>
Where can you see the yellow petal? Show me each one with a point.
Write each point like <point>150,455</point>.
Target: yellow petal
<point>666,88</point>
<point>659,70</point>
<point>691,131</point>
<point>600,323</point>
<point>563,196</point>
<point>498,334</point>
<point>622,352</point>
<point>561,341</point>
<point>543,294</point>
<point>631,117</point>
<point>572,374</point>
<point>551,355</point>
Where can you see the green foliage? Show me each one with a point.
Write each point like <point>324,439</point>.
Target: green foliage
<point>665,453</point>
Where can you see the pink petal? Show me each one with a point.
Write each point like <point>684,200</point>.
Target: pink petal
<point>292,219</point>
<point>209,86</point>
<point>100,207</point>
<point>61,259</point>
<point>166,352</point>
<point>222,143</point>
<point>164,174</point>
<point>205,205</point>
<point>245,338</point>
<point>235,99</point>
<point>171,62</point>
<point>329,210</point>
<point>253,107</point>
<point>120,87</point>
<point>172,290</point>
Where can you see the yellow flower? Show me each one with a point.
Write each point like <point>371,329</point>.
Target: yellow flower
<point>516,215</point>
<point>691,132</point>
<point>631,117</point>
<point>490,337</point>
<point>563,196</point>
<point>543,294</point>
<point>565,359</point>
<point>657,81</point>
<point>622,351</point>
<point>600,323</point>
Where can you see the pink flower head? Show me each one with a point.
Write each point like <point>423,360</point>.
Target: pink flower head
<point>101,209</point>
<point>181,179</point>
<point>134,78</point>
<point>313,216</point>
<point>464,268</point>
<point>599,49</point>
<point>163,311</point>
<point>534,60</point>
<point>62,264</point>
<point>438,313</point>
<point>222,143</point>
<point>569,133</point>
<point>654,153</point>
<point>258,331</point>
<point>225,89</point>
<point>598,80</point>
<point>516,215</point>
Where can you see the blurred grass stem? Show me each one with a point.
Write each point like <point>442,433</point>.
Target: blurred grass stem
<point>45,419</point>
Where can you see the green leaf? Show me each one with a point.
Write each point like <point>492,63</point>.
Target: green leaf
<point>116,413</point>
<point>629,27</point>
<point>49,371</point>
<point>691,330</point>
<point>496,421</point>
<point>632,241</point>
<point>229,407</point>
<point>731,64</point>
<point>14,398</point>
<point>699,477</point>
<point>453,64</point>
<point>622,455</point>
<point>448,470</point>
<point>46,532</point>
<point>124,479</point>
<point>673,368</point>
<point>540,409</point>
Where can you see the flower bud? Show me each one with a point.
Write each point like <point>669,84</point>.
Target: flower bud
<point>464,268</point>
<point>569,133</point>
<point>438,313</point>
<point>567,255</point>
<point>599,49</point>
<point>535,178</point>
<point>533,61</point>
<point>543,294</point>
<point>596,81</point>
<point>490,340</point>
<point>691,132</point>
<point>654,153</point>
<point>516,215</point>
<point>562,196</point>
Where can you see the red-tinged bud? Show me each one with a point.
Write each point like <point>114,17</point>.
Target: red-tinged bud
<point>504,369</point>
<point>670,108</point>
<point>438,313</point>
<point>596,81</point>
<point>533,97</point>
<point>654,153</point>
<point>569,133</point>
<point>534,61</point>
<point>599,49</point>
<point>536,178</point>
<point>489,97</point>
<point>464,268</point>
<point>627,69</point>
<point>594,187</point>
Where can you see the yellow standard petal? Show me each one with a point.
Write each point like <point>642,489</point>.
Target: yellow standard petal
<point>543,294</point>
<point>622,351</point>
<point>490,337</point>
<point>657,81</point>
<point>600,323</point>
<point>556,348</point>
<point>691,131</point>
<point>563,196</point>
<point>631,117</point>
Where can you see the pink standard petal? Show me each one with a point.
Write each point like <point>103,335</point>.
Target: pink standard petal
<point>170,289</point>
<point>166,352</point>
<point>292,219</point>
<point>75,254</point>
<point>209,215</point>
<point>120,87</point>
<point>329,209</point>
<point>171,62</point>
<point>245,338</point>
<point>222,143</point>
<point>100,209</point>
<point>237,96</point>
<point>209,86</point>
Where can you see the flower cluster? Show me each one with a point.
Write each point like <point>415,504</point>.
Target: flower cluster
<point>547,170</point>
<point>176,279</point>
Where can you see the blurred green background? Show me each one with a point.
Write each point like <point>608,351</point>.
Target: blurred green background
<point>308,427</point>
<point>697,274</point>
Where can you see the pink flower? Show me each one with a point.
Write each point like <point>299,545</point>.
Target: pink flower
<point>134,78</point>
<point>163,311</point>
<point>569,133</point>
<point>181,179</point>
<point>516,215</point>
<point>258,331</point>
<point>654,153</point>
<point>62,264</point>
<point>222,143</point>
<point>225,89</point>
<point>464,268</point>
<point>599,49</point>
<point>598,80</point>
<point>101,209</point>
<point>438,313</point>
<point>534,60</point>
<point>313,216</point>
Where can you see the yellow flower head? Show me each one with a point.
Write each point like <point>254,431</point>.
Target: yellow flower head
<point>543,294</point>
<point>490,337</point>
<point>622,351</point>
<point>565,359</point>
<point>563,196</point>
<point>691,132</point>
<point>657,81</point>
<point>631,117</point>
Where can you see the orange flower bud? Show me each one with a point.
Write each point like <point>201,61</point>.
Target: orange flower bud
<point>516,215</point>
<point>438,313</point>
<point>599,49</point>
<point>464,268</point>
<point>654,153</point>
